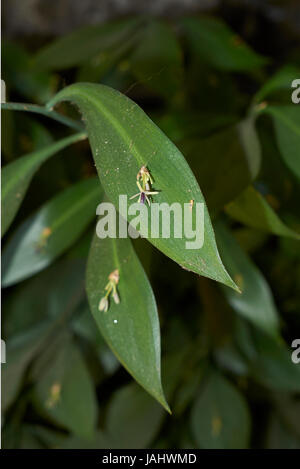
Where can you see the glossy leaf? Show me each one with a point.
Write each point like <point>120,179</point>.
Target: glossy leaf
<point>17,176</point>
<point>133,418</point>
<point>65,392</point>
<point>131,328</point>
<point>157,60</point>
<point>85,43</point>
<point>253,210</point>
<point>220,417</point>
<point>123,139</point>
<point>50,231</point>
<point>213,41</point>
<point>255,302</point>
<point>287,127</point>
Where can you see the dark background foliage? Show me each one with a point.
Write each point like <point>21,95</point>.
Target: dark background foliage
<point>228,383</point>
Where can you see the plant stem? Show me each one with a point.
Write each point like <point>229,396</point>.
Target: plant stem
<point>45,112</point>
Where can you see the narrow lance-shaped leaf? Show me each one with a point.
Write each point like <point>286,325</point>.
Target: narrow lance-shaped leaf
<point>50,231</point>
<point>255,302</point>
<point>17,175</point>
<point>123,139</point>
<point>130,326</point>
<point>287,127</point>
<point>253,210</point>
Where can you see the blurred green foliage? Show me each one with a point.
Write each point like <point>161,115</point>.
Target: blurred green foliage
<point>226,357</point>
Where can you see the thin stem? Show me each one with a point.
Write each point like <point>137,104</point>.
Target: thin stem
<point>45,112</point>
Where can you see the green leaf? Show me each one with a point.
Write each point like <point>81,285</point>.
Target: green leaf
<point>287,127</point>
<point>25,107</point>
<point>123,139</point>
<point>255,302</point>
<point>20,73</point>
<point>282,79</point>
<point>65,392</point>
<point>225,163</point>
<point>131,328</point>
<point>19,353</point>
<point>273,366</point>
<point>180,125</point>
<point>17,176</point>
<point>253,210</point>
<point>215,43</point>
<point>50,231</point>
<point>43,296</point>
<point>85,43</point>
<point>133,418</point>
<point>220,417</point>
<point>157,60</point>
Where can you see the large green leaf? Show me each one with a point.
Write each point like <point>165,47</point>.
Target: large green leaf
<point>50,231</point>
<point>131,328</point>
<point>253,210</point>
<point>220,417</point>
<point>65,392</point>
<point>133,418</point>
<point>157,60</point>
<point>287,127</point>
<point>85,43</point>
<point>255,302</point>
<point>123,139</point>
<point>213,41</point>
<point>17,175</point>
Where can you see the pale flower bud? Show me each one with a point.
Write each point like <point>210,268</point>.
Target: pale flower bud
<point>116,298</point>
<point>103,305</point>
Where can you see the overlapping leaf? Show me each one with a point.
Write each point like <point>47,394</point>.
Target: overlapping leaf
<point>123,139</point>
<point>157,60</point>
<point>53,228</point>
<point>220,417</point>
<point>93,41</point>
<point>17,175</point>
<point>255,302</point>
<point>225,163</point>
<point>131,328</point>
<point>287,127</point>
<point>65,392</point>
<point>215,43</point>
<point>253,210</point>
